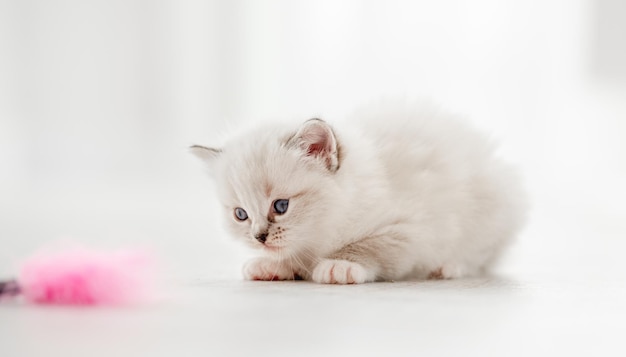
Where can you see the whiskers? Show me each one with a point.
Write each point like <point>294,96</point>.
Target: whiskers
<point>294,260</point>
<point>292,264</point>
<point>304,260</point>
<point>277,267</point>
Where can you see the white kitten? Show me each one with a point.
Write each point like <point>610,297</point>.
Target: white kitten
<point>402,191</point>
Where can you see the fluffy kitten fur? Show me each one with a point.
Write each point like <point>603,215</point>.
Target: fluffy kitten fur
<point>401,191</point>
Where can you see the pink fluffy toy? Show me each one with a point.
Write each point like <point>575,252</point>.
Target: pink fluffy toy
<point>84,277</point>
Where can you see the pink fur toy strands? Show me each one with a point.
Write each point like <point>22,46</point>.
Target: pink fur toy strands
<point>84,277</point>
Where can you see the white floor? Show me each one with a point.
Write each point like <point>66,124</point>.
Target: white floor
<point>560,292</point>
<point>497,316</point>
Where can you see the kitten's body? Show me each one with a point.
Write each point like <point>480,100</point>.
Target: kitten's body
<point>399,192</point>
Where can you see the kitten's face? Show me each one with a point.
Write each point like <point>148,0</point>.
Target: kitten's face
<point>276,187</point>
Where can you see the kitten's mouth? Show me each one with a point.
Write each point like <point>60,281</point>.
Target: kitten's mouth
<point>271,248</point>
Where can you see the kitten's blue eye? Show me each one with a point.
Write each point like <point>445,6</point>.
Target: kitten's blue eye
<point>280,206</point>
<point>241,214</point>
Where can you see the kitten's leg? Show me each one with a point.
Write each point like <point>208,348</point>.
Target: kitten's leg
<point>263,268</point>
<point>340,271</point>
<point>377,257</point>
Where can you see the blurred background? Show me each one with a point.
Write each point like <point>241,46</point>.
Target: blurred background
<point>100,99</point>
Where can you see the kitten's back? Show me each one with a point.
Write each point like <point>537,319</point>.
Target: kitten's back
<point>444,174</point>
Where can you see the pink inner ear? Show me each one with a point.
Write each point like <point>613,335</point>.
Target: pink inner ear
<point>315,149</point>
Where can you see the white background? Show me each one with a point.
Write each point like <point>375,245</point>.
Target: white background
<point>99,100</point>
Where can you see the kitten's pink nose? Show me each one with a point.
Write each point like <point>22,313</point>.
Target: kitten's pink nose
<point>261,237</point>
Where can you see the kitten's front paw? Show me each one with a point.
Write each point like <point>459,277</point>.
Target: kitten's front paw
<point>330,271</point>
<point>266,269</point>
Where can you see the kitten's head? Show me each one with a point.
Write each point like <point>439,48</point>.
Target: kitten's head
<point>277,186</point>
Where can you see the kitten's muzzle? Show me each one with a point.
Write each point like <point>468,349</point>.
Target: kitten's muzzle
<point>261,237</point>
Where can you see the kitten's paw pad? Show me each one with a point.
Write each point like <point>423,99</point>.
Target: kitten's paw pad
<point>340,272</point>
<point>452,271</point>
<point>437,275</point>
<point>266,269</point>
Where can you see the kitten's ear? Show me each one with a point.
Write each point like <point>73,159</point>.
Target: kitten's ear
<point>207,155</point>
<point>316,139</point>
